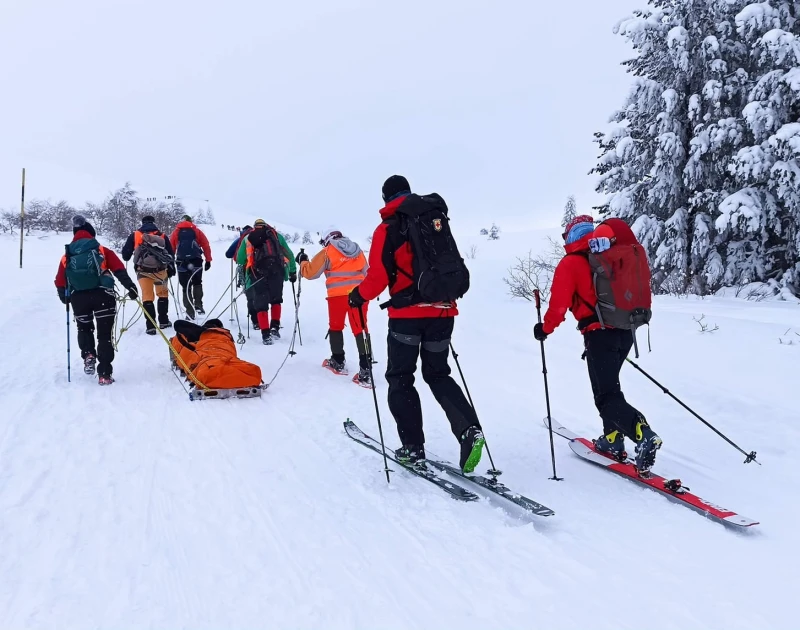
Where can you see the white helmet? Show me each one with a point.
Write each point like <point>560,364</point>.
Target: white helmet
<point>328,234</point>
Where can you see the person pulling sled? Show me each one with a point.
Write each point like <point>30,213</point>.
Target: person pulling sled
<point>268,263</point>
<point>190,244</point>
<point>85,280</point>
<point>414,254</point>
<point>154,264</point>
<point>345,267</point>
<point>604,280</point>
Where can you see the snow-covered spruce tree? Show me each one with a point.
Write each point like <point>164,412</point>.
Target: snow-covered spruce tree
<point>570,211</point>
<point>760,221</point>
<point>669,165</point>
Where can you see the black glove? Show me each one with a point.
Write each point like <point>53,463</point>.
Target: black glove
<point>538,332</point>
<point>355,300</point>
<point>293,277</point>
<point>133,293</point>
<point>301,257</point>
<point>208,265</point>
<point>171,271</point>
<point>62,295</point>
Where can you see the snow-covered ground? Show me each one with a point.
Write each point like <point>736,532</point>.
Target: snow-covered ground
<point>132,507</point>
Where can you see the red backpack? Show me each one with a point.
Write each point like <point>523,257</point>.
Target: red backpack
<point>621,277</point>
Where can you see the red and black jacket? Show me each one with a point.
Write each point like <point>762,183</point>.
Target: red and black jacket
<point>112,264</point>
<point>391,265</point>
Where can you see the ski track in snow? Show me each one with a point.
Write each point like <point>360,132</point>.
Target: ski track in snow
<point>130,506</point>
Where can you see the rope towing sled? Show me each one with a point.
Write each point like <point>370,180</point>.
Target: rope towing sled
<point>205,355</point>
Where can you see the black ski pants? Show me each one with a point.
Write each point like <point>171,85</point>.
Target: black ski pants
<point>265,292</point>
<point>428,338</point>
<point>191,282</point>
<point>606,350</point>
<point>88,306</point>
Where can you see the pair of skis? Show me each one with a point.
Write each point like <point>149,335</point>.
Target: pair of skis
<point>672,489</point>
<point>436,471</point>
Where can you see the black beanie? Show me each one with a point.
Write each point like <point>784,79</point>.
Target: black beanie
<point>148,219</point>
<point>79,223</point>
<point>395,185</point>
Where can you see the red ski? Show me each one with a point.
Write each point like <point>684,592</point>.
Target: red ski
<point>673,489</point>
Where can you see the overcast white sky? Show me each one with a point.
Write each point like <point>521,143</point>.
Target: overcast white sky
<point>299,110</point>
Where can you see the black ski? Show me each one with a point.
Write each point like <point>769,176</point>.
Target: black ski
<point>492,485</point>
<point>420,469</point>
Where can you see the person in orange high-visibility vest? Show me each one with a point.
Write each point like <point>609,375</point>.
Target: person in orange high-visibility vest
<point>344,266</point>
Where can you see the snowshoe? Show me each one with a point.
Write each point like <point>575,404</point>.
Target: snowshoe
<point>104,380</point>
<point>410,454</point>
<point>151,331</point>
<point>89,364</point>
<point>471,449</point>
<point>647,444</point>
<point>335,366</point>
<point>612,445</point>
<point>363,378</point>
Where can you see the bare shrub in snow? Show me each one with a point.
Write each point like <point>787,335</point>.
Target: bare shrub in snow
<point>472,252</point>
<point>704,327</point>
<point>534,272</point>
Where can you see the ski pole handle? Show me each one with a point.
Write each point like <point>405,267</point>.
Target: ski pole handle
<point>538,299</point>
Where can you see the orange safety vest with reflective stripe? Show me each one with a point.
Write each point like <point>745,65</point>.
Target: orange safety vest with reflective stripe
<point>343,274</point>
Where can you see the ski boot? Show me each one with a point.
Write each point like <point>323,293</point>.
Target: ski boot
<point>104,380</point>
<point>363,378</point>
<point>89,364</point>
<point>647,443</point>
<point>410,454</point>
<point>275,329</point>
<point>266,337</point>
<point>613,445</point>
<point>472,443</point>
<point>335,366</point>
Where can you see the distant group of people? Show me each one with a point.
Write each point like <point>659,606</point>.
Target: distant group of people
<point>414,255</point>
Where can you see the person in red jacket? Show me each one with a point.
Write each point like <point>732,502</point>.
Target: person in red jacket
<point>419,330</point>
<point>605,348</point>
<point>190,245</point>
<point>89,288</point>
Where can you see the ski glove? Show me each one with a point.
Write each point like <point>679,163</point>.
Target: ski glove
<point>293,277</point>
<point>355,300</point>
<point>538,332</point>
<point>171,271</point>
<point>62,295</point>
<point>133,293</point>
<point>208,265</point>
<point>301,258</point>
<point>599,245</point>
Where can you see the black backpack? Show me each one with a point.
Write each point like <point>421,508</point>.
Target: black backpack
<point>188,247</point>
<point>439,271</point>
<point>267,252</point>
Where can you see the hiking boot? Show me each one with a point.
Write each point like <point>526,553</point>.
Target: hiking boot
<point>471,449</point>
<point>254,323</point>
<point>410,454</point>
<point>89,364</point>
<point>165,325</point>
<point>200,310</point>
<point>197,293</point>
<point>334,365</point>
<point>162,305</point>
<point>275,330</point>
<point>151,331</point>
<point>266,338</point>
<point>612,444</point>
<point>104,380</point>
<point>363,377</point>
<point>647,443</point>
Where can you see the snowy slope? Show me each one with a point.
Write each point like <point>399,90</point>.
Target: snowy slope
<point>132,507</point>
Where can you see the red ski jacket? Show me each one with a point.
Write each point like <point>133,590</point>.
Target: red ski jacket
<point>572,288</point>
<point>390,265</point>
<point>112,261</point>
<point>202,240</point>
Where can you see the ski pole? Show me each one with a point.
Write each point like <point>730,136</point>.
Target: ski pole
<point>297,315</point>
<point>494,472</point>
<point>749,457</point>
<point>231,285</point>
<point>368,346</point>
<point>69,367</point>
<point>555,477</point>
